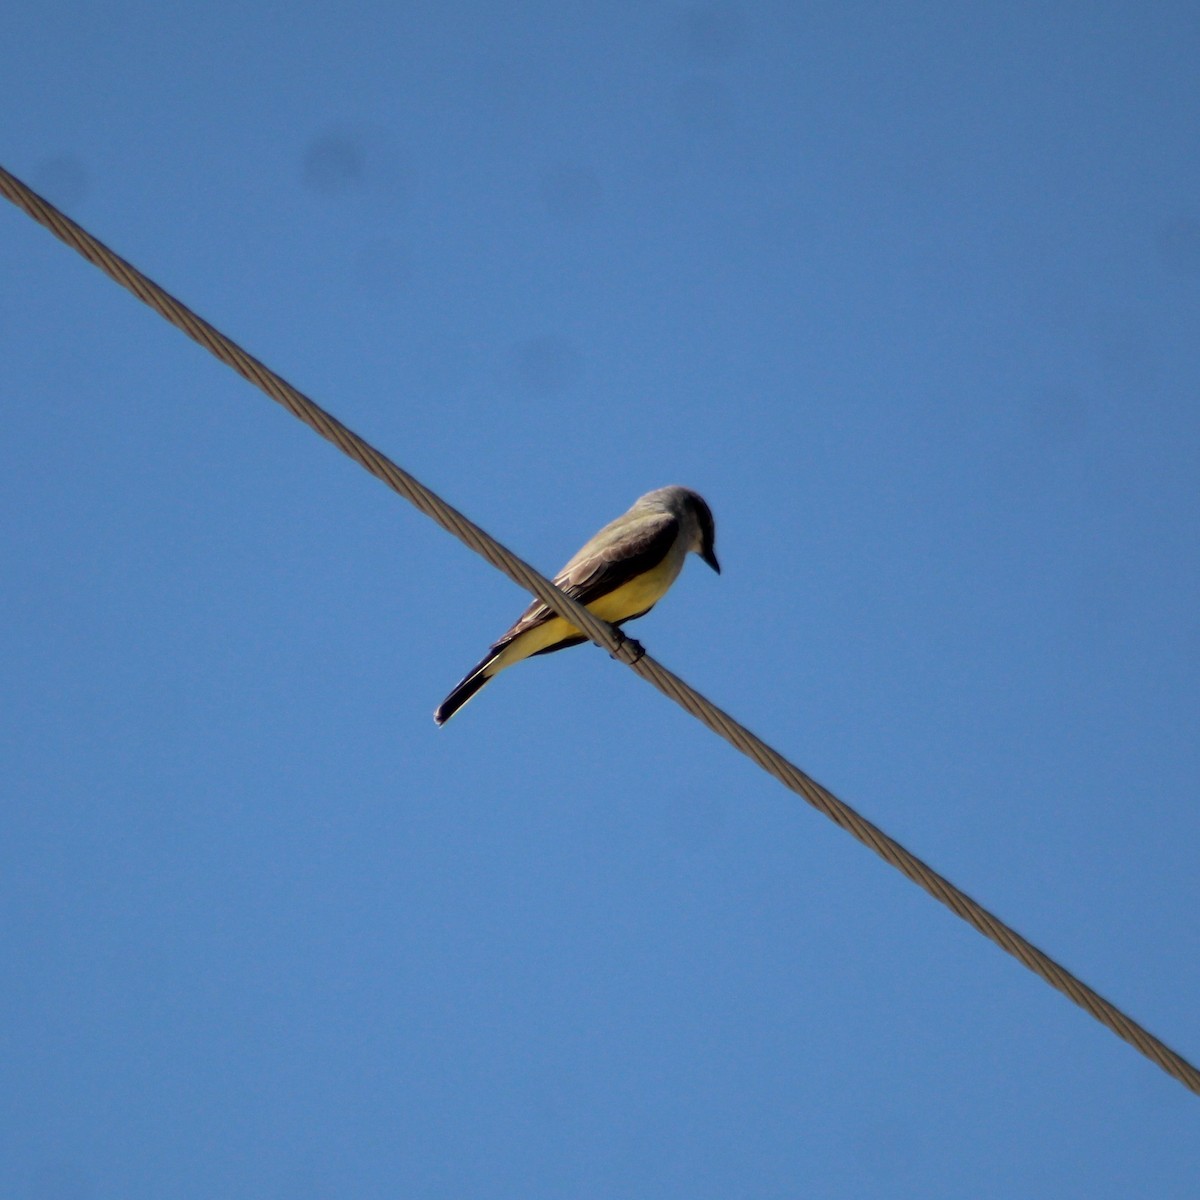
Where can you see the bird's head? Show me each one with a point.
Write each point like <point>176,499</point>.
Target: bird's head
<point>695,517</point>
<point>707,531</point>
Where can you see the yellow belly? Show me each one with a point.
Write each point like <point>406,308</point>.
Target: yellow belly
<point>636,596</point>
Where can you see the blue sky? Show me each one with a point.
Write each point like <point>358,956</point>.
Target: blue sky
<point>911,293</point>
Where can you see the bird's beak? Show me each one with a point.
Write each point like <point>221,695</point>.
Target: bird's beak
<point>710,557</point>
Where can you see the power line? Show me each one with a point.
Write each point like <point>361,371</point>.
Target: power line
<point>600,632</point>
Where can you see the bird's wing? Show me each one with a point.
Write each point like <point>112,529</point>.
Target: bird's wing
<point>594,572</point>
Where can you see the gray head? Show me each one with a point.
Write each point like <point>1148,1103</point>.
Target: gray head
<point>693,513</point>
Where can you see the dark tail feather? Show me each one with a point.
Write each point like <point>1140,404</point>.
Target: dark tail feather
<point>463,692</point>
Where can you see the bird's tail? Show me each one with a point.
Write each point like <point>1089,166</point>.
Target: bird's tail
<point>465,689</point>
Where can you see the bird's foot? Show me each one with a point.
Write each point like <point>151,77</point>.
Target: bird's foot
<point>625,643</point>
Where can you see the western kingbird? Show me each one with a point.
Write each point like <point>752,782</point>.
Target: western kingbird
<point>619,575</point>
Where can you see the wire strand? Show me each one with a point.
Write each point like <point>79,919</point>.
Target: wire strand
<point>600,632</point>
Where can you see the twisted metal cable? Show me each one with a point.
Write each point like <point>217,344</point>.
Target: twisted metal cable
<point>600,632</point>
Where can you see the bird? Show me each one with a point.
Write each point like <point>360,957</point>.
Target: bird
<point>619,574</point>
